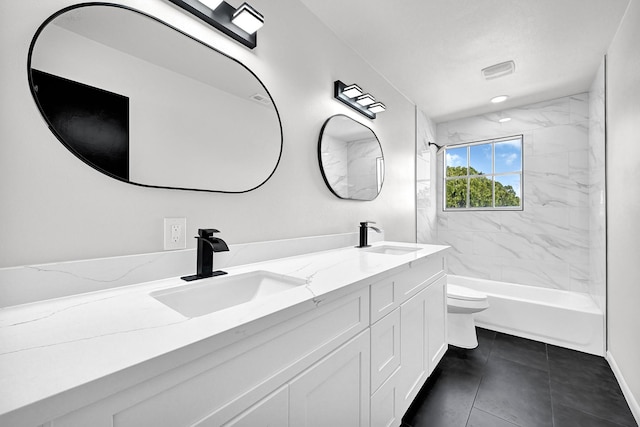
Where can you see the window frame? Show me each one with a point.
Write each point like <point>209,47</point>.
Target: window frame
<point>491,175</point>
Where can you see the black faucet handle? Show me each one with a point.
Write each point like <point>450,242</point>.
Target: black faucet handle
<point>206,232</point>
<point>366,223</point>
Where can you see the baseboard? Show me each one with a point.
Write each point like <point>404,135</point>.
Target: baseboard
<point>631,400</point>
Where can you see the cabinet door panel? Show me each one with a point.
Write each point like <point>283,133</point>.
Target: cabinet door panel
<point>335,391</point>
<point>414,344</point>
<point>385,348</point>
<point>436,321</point>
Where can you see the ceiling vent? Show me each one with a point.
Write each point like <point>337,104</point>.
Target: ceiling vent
<point>499,70</point>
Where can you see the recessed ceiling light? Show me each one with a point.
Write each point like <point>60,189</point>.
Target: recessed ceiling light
<point>500,98</point>
<point>504,119</point>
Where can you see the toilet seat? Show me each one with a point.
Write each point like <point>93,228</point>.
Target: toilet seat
<point>465,294</point>
<point>465,300</point>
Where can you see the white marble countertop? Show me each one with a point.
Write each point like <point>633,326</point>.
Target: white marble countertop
<point>54,347</point>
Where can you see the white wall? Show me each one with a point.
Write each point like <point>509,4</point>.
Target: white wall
<point>55,208</point>
<point>546,244</point>
<point>623,199</point>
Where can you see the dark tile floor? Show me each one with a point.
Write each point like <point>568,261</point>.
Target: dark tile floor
<point>509,381</point>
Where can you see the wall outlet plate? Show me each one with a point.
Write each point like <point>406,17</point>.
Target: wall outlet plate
<point>175,233</point>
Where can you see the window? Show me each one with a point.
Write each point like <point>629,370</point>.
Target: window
<point>484,175</point>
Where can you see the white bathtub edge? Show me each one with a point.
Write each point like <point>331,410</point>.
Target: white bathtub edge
<point>530,312</point>
<point>537,337</point>
<point>626,391</point>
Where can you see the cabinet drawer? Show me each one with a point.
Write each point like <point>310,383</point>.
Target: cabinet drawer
<point>384,298</point>
<point>385,411</point>
<point>273,410</point>
<point>385,348</point>
<point>418,276</point>
<point>389,293</point>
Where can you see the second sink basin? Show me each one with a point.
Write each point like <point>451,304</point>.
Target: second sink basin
<point>392,250</point>
<point>217,293</point>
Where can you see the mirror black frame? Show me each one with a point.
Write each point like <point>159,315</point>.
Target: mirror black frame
<point>61,140</point>
<point>324,176</point>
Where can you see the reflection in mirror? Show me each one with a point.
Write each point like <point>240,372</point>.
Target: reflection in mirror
<point>144,103</point>
<point>351,159</point>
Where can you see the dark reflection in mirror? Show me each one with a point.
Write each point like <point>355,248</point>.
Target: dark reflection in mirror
<point>92,122</point>
<point>351,159</point>
<point>144,103</point>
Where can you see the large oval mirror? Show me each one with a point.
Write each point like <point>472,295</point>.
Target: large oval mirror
<point>144,103</point>
<point>351,159</point>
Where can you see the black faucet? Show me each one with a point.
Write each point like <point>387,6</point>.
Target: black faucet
<point>207,245</point>
<point>364,226</point>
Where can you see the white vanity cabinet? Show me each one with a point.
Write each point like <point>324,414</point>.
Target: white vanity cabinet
<point>239,383</point>
<point>423,341</point>
<point>351,358</point>
<point>408,337</point>
<point>332,392</point>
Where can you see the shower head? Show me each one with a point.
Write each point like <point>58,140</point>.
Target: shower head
<point>439,148</point>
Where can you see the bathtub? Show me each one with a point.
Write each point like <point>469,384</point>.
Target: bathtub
<point>562,318</point>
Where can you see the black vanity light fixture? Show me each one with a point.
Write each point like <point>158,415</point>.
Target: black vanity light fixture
<point>240,24</point>
<point>353,96</point>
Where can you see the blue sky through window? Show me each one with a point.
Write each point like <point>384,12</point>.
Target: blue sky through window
<point>457,157</point>
<point>480,158</point>
<point>508,156</point>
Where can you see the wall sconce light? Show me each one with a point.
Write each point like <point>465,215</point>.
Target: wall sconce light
<point>353,96</point>
<point>377,107</point>
<point>240,24</point>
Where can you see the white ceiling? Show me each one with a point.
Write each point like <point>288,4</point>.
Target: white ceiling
<point>433,50</point>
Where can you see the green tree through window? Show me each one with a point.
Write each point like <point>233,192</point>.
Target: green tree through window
<point>494,182</point>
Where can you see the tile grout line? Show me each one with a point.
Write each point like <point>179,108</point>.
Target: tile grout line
<point>546,353</point>
<point>473,404</point>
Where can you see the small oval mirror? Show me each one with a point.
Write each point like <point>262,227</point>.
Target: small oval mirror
<point>350,159</point>
<point>144,103</point>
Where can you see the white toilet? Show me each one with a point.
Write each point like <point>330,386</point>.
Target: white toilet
<point>461,304</point>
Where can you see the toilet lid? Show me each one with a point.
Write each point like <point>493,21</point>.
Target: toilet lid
<point>460,292</point>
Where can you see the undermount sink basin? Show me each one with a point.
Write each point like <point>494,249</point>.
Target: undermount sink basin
<point>217,293</point>
<point>391,250</point>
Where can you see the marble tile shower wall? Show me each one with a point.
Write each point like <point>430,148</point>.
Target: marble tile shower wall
<point>361,157</point>
<point>426,215</point>
<point>335,164</point>
<point>597,207</point>
<point>546,244</point>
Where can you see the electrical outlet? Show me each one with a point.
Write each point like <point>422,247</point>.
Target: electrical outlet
<point>174,233</point>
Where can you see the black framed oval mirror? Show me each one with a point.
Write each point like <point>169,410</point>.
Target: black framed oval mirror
<point>351,159</point>
<point>145,103</point>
